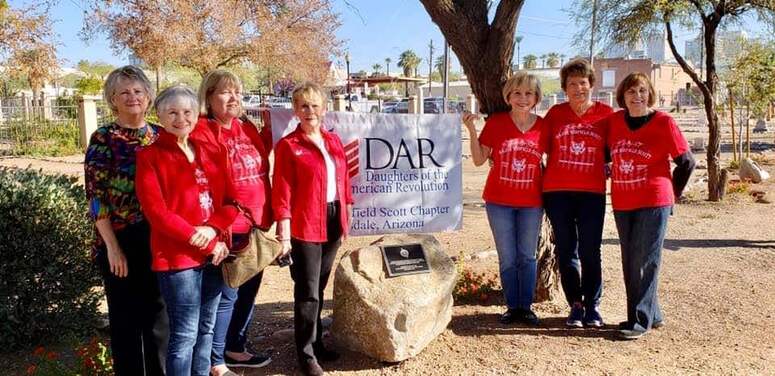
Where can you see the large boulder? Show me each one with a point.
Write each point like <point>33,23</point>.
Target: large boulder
<point>392,319</point>
<point>750,170</point>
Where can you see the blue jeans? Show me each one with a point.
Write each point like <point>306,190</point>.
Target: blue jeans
<point>516,232</point>
<point>192,297</point>
<point>641,234</point>
<point>577,221</point>
<point>235,311</point>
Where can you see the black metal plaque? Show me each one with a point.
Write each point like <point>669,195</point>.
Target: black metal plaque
<point>405,259</point>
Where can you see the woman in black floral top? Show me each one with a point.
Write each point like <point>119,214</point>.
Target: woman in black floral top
<point>138,319</point>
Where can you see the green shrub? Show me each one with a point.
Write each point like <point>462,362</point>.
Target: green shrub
<point>44,137</point>
<point>47,284</point>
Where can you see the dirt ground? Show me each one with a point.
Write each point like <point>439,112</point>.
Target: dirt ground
<point>717,288</point>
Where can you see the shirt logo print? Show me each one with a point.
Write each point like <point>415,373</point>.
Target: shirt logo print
<point>577,148</point>
<point>518,165</point>
<point>626,166</point>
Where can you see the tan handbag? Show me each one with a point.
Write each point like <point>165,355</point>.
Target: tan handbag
<point>245,261</point>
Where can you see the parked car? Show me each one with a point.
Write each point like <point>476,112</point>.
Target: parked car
<point>399,108</point>
<point>437,103</point>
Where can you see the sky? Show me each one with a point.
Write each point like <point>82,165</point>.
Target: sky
<point>371,31</point>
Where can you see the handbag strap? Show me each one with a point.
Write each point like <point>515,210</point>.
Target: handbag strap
<point>246,212</point>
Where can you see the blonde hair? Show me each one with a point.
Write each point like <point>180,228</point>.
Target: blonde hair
<point>306,91</point>
<point>522,78</point>
<point>211,81</point>
<point>126,73</point>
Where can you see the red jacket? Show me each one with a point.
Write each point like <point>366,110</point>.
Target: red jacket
<point>169,196</point>
<point>299,184</point>
<point>208,132</point>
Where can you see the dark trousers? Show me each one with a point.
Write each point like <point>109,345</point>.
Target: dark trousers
<point>577,221</point>
<point>311,267</point>
<point>642,234</point>
<point>138,318</point>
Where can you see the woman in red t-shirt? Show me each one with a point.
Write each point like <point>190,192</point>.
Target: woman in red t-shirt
<point>574,191</point>
<point>514,141</point>
<point>642,141</point>
<point>220,98</point>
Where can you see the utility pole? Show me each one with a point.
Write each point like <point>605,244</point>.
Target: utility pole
<point>592,34</point>
<point>446,76</point>
<point>430,70</point>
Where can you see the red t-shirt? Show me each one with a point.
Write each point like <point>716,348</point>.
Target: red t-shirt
<point>248,172</point>
<point>576,149</point>
<point>641,175</point>
<point>515,176</point>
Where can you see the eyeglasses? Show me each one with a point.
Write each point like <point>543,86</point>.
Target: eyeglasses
<point>128,94</point>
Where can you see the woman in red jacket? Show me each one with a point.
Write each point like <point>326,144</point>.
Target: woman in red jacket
<point>643,190</point>
<point>310,185</point>
<point>220,97</point>
<point>182,187</point>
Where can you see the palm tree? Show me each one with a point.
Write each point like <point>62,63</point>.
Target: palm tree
<point>553,59</point>
<point>562,59</point>
<point>543,61</point>
<point>518,40</point>
<point>530,61</point>
<point>409,61</point>
<point>387,65</point>
<point>377,68</point>
<point>440,66</point>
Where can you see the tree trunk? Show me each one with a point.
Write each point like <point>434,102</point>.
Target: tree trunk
<point>732,123</point>
<point>714,136</point>
<point>485,51</point>
<point>548,280</point>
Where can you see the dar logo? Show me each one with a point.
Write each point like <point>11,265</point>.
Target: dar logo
<point>626,166</point>
<point>352,155</point>
<point>404,252</point>
<point>577,147</point>
<point>518,165</point>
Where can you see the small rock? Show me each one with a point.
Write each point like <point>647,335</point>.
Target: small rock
<point>484,254</point>
<point>284,335</point>
<point>752,171</point>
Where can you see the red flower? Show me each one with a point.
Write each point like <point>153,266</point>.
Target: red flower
<point>39,351</point>
<point>52,355</point>
<point>31,369</point>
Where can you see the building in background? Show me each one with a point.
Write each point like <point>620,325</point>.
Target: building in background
<point>669,80</point>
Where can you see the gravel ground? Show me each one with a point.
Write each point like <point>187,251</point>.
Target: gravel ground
<point>716,289</point>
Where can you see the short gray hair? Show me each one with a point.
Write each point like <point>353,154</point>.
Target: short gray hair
<point>129,73</point>
<point>173,93</point>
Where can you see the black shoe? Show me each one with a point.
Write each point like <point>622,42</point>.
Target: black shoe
<point>508,317</point>
<point>325,355</point>
<point>255,361</point>
<point>654,325</point>
<point>310,367</point>
<point>630,334</point>
<point>519,315</point>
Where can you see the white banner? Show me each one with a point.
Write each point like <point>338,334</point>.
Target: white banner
<point>405,170</point>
